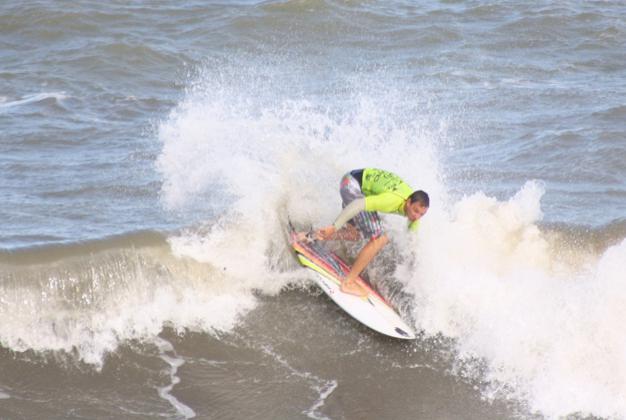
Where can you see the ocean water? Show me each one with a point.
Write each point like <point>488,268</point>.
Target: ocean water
<point>151,152</point>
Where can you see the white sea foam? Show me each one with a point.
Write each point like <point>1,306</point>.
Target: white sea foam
<point>169,356</point>
<point>91,314</point>
<point>547,325</point>
<point>254,163</point>
<point>550,331</point>
<point>248,164</point>
<point>323,387</point>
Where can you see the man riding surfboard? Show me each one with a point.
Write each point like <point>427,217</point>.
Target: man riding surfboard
<point>364,193</point>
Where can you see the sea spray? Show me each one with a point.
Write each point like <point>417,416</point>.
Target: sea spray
<point>242,158</point>
<point>548,332</point>
<point>86,306</point>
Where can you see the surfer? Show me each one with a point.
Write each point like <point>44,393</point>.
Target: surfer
<point>364,193</point>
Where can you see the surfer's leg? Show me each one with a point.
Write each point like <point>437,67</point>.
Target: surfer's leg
<point>369,226</point>
<point>367,254</point>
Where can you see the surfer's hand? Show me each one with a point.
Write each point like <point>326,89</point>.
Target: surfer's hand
<point>325,233</point>
<point>302,237</point>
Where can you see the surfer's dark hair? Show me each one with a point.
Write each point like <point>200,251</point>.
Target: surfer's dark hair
<point>420,197</point>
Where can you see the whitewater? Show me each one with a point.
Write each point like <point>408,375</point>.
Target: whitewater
<point>150,157</point>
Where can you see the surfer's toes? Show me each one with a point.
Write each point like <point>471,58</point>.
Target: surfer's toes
<point>353,288</point>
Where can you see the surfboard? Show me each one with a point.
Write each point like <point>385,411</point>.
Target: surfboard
<point>372,310</point>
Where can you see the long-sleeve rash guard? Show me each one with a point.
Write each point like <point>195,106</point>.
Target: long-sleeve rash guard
<point>384,192</point>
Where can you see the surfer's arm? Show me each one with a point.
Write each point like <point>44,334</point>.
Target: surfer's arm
<point>348,232</point>
<point>339,229</point>
<point>335,230</point>
<point>348,212</point>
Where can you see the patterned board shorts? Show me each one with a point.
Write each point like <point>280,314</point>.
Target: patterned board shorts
<point>368,222</point>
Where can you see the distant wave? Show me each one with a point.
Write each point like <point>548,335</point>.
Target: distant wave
<point>614,113</point>
<point>62,250</point>
<point>55,97</point>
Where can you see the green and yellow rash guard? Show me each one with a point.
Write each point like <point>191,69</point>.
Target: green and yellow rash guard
<point>384,191</point>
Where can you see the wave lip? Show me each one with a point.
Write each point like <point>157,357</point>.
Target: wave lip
<point>85,299</point>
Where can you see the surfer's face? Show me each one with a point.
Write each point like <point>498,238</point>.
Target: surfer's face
<point>414,211</point>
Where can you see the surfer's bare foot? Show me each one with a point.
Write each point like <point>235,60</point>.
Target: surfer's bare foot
<point>353,288</point>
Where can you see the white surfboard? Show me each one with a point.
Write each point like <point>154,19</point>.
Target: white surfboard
<point>373,310</point>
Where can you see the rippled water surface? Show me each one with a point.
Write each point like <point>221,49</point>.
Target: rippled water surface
<point>150,153</point>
